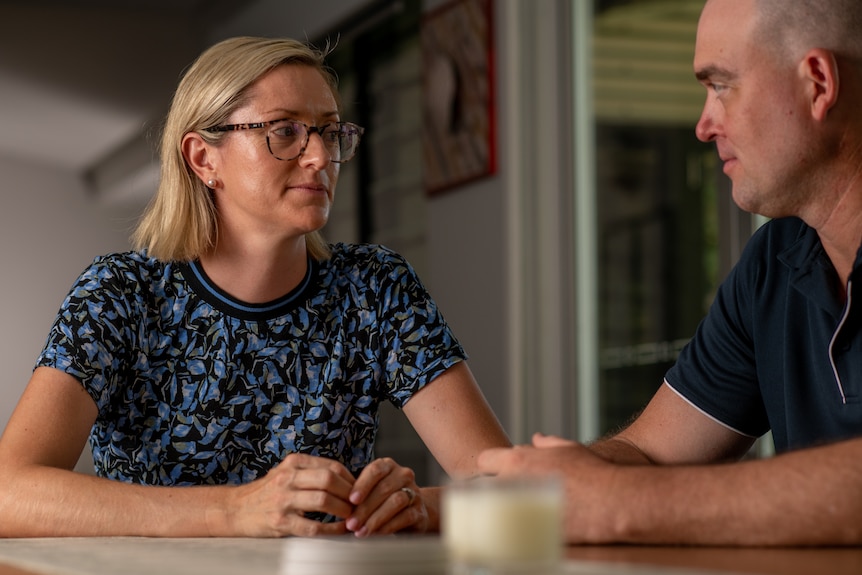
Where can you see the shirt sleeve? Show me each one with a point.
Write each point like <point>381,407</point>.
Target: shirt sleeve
<point>716,371</point>
<point>417,343</point>
<point>89,337</point>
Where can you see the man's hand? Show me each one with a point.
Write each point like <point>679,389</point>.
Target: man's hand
<point>588,481</point>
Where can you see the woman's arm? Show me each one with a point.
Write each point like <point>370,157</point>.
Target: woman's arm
<point>40,495</point>
<point>456,423</point>
<point>454,420</point>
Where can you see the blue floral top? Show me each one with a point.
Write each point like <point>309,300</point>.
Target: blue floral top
<point>196,387</point>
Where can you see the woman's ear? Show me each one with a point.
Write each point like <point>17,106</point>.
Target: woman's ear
<point>820,69</point>
<point>199,156</point>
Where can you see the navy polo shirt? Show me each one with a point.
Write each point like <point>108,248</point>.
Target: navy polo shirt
<point>779,349</point>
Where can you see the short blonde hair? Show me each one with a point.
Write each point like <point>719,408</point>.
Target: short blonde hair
<point>180,222</point>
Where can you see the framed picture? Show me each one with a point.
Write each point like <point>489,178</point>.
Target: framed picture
<point>458,135</point>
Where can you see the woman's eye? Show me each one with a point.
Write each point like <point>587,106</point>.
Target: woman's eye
<point>285,131</point>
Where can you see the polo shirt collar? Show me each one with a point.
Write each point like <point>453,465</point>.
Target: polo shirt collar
<point>811,271</point>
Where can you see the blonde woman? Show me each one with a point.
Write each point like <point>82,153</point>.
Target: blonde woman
<point>228,371</point>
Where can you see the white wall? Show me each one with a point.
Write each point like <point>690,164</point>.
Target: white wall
<point>499,248</point>
<point>466,256</point>
<point>49,231</point>
<point>467,262</point>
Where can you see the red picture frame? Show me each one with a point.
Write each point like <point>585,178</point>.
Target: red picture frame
<point>458,116</point>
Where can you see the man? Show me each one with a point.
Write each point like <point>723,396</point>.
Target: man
<point>781,347</point>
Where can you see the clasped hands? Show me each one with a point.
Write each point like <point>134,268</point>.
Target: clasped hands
<point>384,499</point>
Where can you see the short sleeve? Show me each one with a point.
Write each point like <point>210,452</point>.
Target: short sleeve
<point>89,338</point>
<point>716,371</point>
<point>417,343</point>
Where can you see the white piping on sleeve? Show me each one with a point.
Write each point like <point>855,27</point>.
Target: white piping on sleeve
<point>718,421</point>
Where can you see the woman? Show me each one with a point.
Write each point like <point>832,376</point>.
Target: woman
<point>229,370</point>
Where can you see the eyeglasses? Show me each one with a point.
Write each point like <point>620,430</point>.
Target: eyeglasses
<point>288,139</point>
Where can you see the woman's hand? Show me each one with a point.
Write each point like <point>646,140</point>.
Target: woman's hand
<point>386,500</point>
<point>275,505</point>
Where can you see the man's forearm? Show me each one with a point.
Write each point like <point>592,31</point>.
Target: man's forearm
<point>811,497</point>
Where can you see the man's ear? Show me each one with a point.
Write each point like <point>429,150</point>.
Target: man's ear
<point>820,70</point>
<point>198,155</point>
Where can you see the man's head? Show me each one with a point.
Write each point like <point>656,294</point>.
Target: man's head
<point>772,104</point>
<point>795,26</point>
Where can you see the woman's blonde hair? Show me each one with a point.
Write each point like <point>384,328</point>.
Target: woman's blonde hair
<point>179,224</point>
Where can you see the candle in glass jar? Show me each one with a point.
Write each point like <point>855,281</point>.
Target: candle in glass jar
<point>515,522</point>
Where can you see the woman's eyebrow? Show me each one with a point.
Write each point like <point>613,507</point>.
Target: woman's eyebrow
<point>292,113</point>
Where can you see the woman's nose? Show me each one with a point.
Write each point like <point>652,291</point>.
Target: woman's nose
<point>315,152</point>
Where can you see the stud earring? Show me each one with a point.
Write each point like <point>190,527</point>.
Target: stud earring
<point>210,183</point>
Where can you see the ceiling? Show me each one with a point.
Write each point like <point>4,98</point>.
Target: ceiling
<point>80,77</point>
<point>84,84</point>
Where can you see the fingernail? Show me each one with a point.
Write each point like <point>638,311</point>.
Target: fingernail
<point>362,532</point>
<point>352,524</point>
<point>355,497</point>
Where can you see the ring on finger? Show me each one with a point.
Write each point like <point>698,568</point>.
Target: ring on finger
<point>411,495</point>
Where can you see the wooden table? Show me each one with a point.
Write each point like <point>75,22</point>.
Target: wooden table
<point>756,561</point>
<point>138,556</point>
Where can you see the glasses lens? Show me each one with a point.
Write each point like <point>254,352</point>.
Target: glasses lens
<point>348,141</point>
<point>286,139</point>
